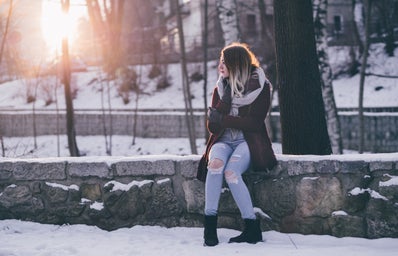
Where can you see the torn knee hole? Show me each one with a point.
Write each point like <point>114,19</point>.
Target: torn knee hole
<point>216,163</point>
<point>235,158</point>
<point>231,177</point>
<point>216,166</point>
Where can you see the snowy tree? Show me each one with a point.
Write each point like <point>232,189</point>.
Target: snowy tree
<point>386,12</point>
<point>228,15</point>
<point>70,123</point>
<point>302,113</point>
<point>106,18</point>
<point>362,77</point>
<point>3,41</point>
<point>6,29</point>
<point>185,84</point>
<point>332,118</point>
<point>359,23</point>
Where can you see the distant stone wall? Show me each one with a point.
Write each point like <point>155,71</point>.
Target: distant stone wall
<point>148,124</point>
<point>381,129</point>
<point>335,195</point>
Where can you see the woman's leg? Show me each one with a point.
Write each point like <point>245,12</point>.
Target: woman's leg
<point>218,156</point>
<point>238,163</point>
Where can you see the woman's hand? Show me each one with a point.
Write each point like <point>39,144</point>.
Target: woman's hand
<point>214,116</point>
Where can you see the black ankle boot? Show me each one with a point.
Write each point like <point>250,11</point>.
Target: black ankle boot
<point>251,234</point>
<point>210,233</point>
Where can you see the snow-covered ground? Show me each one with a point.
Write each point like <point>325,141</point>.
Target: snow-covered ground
<point>378,91</point>
<point>47,146</point>
<point>19,238</point>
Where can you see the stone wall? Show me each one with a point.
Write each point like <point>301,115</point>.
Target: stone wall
<point>148,124</point>
<point>336,195</point>
<point>381,129</point>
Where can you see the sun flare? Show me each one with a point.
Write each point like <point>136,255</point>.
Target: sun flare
<point>56,24</point>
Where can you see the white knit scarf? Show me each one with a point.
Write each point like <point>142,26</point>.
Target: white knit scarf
<point>248,97</point>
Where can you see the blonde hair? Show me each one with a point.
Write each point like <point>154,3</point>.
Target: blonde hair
<point>239,61</point>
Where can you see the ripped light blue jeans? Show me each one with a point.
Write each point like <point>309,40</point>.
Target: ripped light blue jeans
<point>229,158</point>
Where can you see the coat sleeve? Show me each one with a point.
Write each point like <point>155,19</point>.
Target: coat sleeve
<point>214,128</point>
<point>251,118</point>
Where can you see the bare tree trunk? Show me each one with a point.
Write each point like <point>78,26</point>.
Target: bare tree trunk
<point>3,42</point>
<point>103,112</point>
<point>302,111</point>
<point>106,19</point>
<point>365,54</point>
<point>137,97</point>
<point>386,10</point>
<point>332,118</point>
<point>104,129</point>
<point>267,35</point>
<point>3,149</point>
<point>34,114</point>
<point>228,15</point>
<point>269,56</point>
<point>185,82</point>
<point>205,46</point>
<point>109,149</point>
<point>57,114</point>
<point>139,78</point>
<point>70,127</point>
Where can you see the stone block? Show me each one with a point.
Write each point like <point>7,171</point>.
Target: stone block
<point>144,168</point>
<point>326,166</point>
<point>318,196</point>
<point>309,225</point>
<point>194,191</point>
<point>381,218</point>
<point>88,169</point>
<point>5,170</point>
<point>275,197</point>
<point>300,167</point>
<point>187,168</point>
<point>19,201</point>
<point>91,191</point>
<point>347,225</point>
<point>380,166</point>
<point>54,194</point>
<point>355,167</point>
<point>163,202</point>
<point>124,205</point>
<point>39,170</point>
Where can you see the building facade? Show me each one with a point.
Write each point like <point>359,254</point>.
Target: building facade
<point>255,20</point>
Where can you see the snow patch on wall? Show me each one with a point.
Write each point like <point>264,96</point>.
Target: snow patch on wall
<point>310,178</point>
<point>64,187</point>
<point>163,181</point>
<point>97,206</point>
<point>126,187</point>
<point>374,194</point>
<point>339,213</point>
<point>393,181</point>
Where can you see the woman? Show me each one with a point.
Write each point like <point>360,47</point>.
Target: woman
<point>238,139</point>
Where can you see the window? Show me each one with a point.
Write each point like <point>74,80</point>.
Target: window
<point>337,22</point>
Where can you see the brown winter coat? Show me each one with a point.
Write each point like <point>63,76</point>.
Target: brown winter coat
<point>251,122</point>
